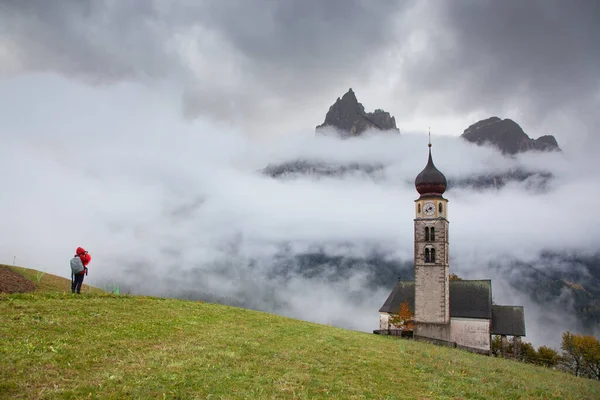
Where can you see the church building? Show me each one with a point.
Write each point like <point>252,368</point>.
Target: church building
<point>458,313</point>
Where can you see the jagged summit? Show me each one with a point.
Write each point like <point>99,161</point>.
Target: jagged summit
<point>349,118</point>
<point>508,136</point>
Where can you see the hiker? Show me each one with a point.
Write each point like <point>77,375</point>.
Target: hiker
<point>79,268</point>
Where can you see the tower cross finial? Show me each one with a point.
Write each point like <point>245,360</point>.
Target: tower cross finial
<point>429,145</point>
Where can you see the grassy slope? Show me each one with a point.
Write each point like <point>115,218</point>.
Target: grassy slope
<point>107,346</point>
<point>50,283</point>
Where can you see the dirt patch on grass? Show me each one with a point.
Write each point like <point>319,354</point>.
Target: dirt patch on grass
<point>13,282</point>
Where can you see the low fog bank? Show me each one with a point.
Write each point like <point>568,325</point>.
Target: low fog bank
<point>189,214</point>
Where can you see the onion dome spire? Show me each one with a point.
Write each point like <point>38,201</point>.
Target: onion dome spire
<point>430,182</point>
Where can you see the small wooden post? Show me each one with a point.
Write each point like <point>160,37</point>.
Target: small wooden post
<point>517,346</point>
<point>504,346</point>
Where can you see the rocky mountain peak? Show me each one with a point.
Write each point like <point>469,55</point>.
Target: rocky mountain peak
<point>507,136</point>
<point>350,97</point>
<point>349,118</point>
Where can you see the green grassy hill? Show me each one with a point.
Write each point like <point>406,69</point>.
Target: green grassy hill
<point>60,345</point>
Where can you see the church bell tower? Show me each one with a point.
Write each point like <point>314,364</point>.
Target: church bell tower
<point>432,297</point>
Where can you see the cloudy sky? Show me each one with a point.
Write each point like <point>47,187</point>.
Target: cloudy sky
<point>135,129</point>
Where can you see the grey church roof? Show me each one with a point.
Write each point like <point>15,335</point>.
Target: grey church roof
<point>471,298</point>
<point>402,292</point>
<point>468,298</point>
<point>508,320</point>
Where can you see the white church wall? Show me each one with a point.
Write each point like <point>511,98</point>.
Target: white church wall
<point>471,332</point>
<point>384,321</point>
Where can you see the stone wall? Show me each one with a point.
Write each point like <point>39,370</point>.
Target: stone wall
<point>431,294</point>
<point>471,332</point>
<point>437,333</point>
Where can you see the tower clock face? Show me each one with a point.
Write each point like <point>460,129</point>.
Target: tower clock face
<point>429,208</point>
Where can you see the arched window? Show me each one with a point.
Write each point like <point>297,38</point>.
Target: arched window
<point>427,234</point>
<point>441,208</point>
<point>432,234</point>
<point>432,256</point>
<point>419,208</point>
<point>427,255</point>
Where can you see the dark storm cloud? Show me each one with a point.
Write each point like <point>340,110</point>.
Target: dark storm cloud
<point>305,34</point>
<point>98,42</point>
<point>537,56</point>
<point>295,52</point>
<point>252,61</point>
<point>234,56</point>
